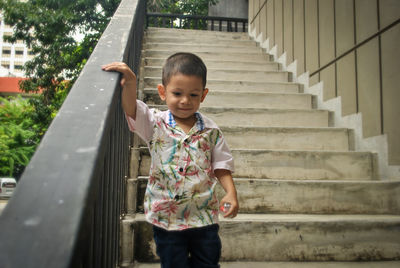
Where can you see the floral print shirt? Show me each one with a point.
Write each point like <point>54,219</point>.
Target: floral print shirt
<point>180,190</point>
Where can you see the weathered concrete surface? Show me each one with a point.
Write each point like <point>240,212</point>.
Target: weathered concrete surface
<point>228,65</point>
<point>237,85</point>
<point>245,100</point>
<point>198,40</point>
<point>314,197</point>
<point>202,47</point>
<point>161,32</point>
<point>294,165</point>
<point>278,138</point>
<point>253,117</point>
<point>271,237</point>
<point>267,117</point>
<point>206,55</point>
<point>227,74</point>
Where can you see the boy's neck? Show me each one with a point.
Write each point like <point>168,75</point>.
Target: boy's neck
<point>186,124</point>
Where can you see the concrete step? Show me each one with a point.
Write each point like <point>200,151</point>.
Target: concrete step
<point>282,237</point>
<point>238,85</point>
<point>198,39</point>
<point>212,47</point>
<point>229,74</point>
<point>294,165</point>
<point>225,65</point>
<point>254,117</point>
<point>245,100</point>
<point>278,138</point>
<point>317,197</point>
<point>161,32</point>
<point>204,54</point>
<point>294,264</point>
<point>309,197</point>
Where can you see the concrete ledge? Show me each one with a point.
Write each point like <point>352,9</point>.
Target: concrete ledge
<point>297,238</point>
<point>245,100</point>
<point>294,165</point>
<point>237,85</point>
<point>280,138</point>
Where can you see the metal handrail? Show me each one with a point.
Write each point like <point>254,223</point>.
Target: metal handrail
<point>208,21</point>
<point>66,209</point>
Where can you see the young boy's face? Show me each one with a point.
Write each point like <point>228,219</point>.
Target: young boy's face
<point>183,95</point>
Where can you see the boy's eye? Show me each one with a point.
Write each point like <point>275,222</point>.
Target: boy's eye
<point>194,95</point>
<point>176,93</point>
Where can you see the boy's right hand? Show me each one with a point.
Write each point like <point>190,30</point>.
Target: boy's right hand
<point>128,83</point>
<point>128,76</point>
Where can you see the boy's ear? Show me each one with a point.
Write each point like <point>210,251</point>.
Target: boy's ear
<point>205,91</point>
<point>161,92</point>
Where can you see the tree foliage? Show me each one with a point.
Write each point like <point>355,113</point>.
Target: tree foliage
<point>181,7</point>
<point>49,28</point>
<point>18,136</point>
<point>187,7</point>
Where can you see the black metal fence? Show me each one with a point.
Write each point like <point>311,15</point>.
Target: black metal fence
<point>66,209</point>
<point>196,22</point>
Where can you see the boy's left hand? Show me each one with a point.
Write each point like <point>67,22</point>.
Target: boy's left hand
<point>233,210</point>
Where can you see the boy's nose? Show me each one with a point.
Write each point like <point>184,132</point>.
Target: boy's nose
<point>185,99</point>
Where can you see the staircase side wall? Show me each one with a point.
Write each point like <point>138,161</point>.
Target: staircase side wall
<point>345,52</point>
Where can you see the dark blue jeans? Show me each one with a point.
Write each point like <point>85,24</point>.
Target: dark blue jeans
<point>194,247</point>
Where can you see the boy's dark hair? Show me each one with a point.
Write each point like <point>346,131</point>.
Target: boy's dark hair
<point>184,63</point>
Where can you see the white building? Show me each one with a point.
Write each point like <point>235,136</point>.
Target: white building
<point>12,56</point>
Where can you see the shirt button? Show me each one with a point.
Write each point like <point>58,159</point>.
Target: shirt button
<point>181,170</point>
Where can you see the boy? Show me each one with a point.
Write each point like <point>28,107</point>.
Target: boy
<point>188,151</point>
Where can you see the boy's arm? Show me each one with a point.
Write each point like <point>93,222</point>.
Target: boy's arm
<point>225,178</point>
<point>128,83</point>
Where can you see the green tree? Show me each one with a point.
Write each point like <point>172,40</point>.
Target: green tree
<point>49,28</point>
<point>18,136</point>
<point>184,7</point>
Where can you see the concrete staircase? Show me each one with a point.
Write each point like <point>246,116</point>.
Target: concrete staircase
<point>304,193</point>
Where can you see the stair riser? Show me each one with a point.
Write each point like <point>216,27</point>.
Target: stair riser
<point>309,197</point>
<point>195,34</point>
<point>271,118</point>
<point>294,165</point>
<point>272,76</point>
<point>237,86</point>
<point>263,117</point>
<point>267,101</point>
<point>294,241</point>
<point>199,47</point>
<point>198,40</point>
<point>287,139</point>
<point>227,65</point>
<point>206,55</point>
<point>317,197</point>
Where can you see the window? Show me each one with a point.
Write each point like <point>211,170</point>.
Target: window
<point>6,51</point>
<point>18,67</point>
<point>19,53</point>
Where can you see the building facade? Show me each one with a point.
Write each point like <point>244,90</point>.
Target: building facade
<point>12,56</point>
<point>348,52</point>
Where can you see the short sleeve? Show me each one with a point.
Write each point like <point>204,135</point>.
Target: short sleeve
<point>143,125</point>
<point>221,155</point>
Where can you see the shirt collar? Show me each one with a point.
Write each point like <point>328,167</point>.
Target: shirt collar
<point>201,123</point>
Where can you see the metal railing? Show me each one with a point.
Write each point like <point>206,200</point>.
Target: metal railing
<point>196,22</point>
<point>66,209</point>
